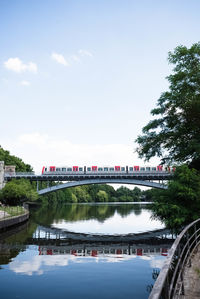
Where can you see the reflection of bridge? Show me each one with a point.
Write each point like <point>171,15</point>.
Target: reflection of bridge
<point>51,236</point>
<point>143,178</point>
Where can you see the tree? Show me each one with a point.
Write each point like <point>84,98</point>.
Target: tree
<point>102,196</point>
<point>180,203</point>
<point>175,134</point>
<point>12,160</point>
<point>18,191</point>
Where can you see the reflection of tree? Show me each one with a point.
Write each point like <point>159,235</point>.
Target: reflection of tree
<point>48,214</point>
<point>17,235</point>
<point>155,274</point>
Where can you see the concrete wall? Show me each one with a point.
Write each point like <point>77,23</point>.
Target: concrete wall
<point>1,174</point>
<point>7,222</point>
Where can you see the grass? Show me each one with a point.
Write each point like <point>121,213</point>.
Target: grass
<point>12,211</point>
<point>197,270</point>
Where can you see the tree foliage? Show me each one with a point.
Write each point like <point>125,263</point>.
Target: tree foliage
<point>12,160</point>
<point>174,133</point>
<point>18,191</point>
<point>180,203</point>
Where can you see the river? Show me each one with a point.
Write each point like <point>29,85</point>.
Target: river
<point>83,251</point>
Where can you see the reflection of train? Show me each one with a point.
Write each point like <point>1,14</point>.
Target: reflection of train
<point>101,169</point>
<point>102,251</point>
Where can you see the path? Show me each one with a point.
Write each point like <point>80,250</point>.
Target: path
<point>191,277</point>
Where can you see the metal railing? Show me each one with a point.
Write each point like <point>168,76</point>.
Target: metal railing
<point>11,211</point>
<point>170,280</point>
<point>96,173</point>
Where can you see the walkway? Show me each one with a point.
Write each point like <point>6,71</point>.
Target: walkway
<point>3,214</point>
<point>191,277</point>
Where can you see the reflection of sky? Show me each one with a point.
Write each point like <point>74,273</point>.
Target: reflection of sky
<point>30,263</point>
<point>115,225</point>
<point>31,275</point>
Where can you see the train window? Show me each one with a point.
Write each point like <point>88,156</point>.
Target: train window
<point>45,169</point>
<point>89,169</point>
<point>69,169</point>
<point>52,168</point>
<point>147,168</point>
<point>159,168</point>
<point>105,168</point>
<point>122,168</point>
<point>142,168</point>
<point>154,168</point>
<point>63,169</point>
<point>131,168</point>
<point>100,169</point>
<point>57,169</point>
<point>80,168</point>
<point>111,169</point>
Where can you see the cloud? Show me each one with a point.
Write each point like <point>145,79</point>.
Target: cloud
<point>75,58</point>
<point>85,53</point>
<point>16,65</point>
<point>25,83</point>
<point>59,58</point>
<point>42,149</point>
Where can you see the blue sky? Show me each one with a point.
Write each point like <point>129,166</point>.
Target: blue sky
<point>78,78</point>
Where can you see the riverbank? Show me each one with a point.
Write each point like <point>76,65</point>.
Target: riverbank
<point>7,220</point>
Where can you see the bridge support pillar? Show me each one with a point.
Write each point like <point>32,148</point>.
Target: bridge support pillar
<point>2,183</point>
<point>37,186</point>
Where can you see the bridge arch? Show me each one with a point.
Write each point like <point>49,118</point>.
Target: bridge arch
<point>101,181</point>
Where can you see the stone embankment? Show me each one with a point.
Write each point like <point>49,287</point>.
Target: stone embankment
<point>6,221</point>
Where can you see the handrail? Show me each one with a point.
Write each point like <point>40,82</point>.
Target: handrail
<point>78,173</point>
<point>170,279</point>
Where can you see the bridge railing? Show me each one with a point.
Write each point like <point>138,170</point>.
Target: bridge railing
<point>11,174</point>
<point>74,173</point>
<point>170,280</point>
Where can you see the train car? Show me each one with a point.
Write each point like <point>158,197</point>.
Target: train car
<point>94,169</point>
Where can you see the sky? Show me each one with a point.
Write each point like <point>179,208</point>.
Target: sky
<point>78,78</point>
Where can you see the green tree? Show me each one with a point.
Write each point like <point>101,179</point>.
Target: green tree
<point>102,196</point>
<point>18,191</point>
<point>12,160</point>
<point>180,203</point>
<point>174,133</point>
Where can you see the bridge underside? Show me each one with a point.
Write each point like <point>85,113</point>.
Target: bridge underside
<point>102,181</point>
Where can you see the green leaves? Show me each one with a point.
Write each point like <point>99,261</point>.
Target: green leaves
<point>18,191</point>
<point>175,135</point>
<point>180,203</point>
<point>12,160</point>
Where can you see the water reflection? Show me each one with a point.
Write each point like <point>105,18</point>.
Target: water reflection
<point>99,219</point>
<point>57,261</point>
<point>77,212</point>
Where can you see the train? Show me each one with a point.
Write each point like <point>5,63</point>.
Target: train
<point>102,169</point>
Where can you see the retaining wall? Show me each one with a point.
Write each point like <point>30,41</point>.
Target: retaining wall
<point>15,220</point>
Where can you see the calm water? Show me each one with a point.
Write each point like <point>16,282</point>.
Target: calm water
<point>83,251</point>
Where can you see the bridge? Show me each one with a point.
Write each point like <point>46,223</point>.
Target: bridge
<point>154,179</point>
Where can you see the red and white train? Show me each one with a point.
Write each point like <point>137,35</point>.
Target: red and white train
<point>102,169</point>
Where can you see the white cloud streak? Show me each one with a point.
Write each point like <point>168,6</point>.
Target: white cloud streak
<point>85,53</point>
<point>16,65</point>
<point>39,150</point>
<point>59,58</point>
<point>25,83</point>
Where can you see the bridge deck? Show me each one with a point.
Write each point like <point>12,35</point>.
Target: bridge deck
<point>155,176</point>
